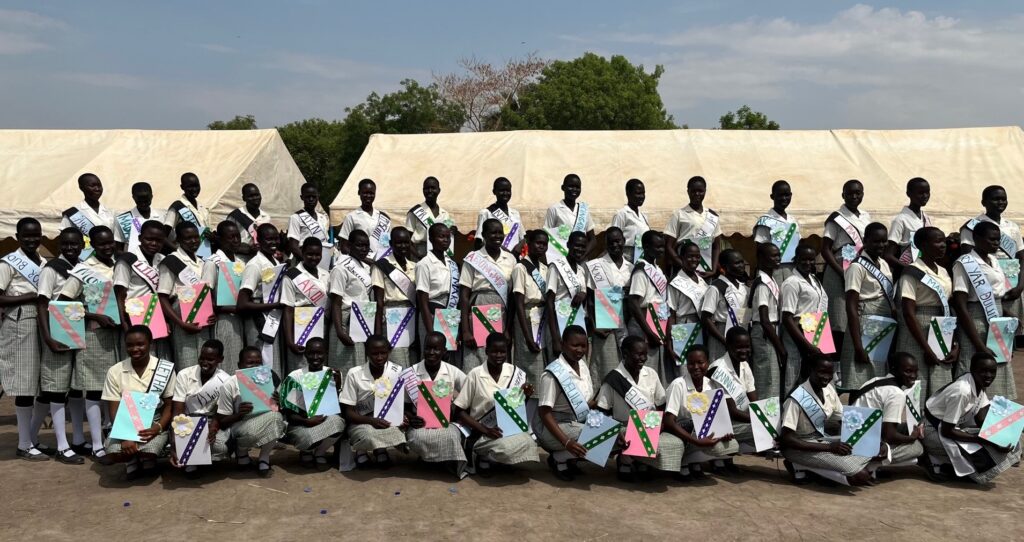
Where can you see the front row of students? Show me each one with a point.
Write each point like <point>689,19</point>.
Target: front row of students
<point>946,442</point>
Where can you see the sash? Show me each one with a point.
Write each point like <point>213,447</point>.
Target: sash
<point>657,278</point>
<point>420,212</point>
<point>209,391</point>
<point>851,231</point>
<point>768,282</point>
<point>61,266</point>
<point>193,440</point>
<point>185,273</point>
<point>86,275</point>
<point>352,266</point>
<point>931,282</point>
<point>730,295</point>
<point>631,394</point>
<point>809,404</point>
<point>129,225</point>
<point>910,254</point>
<point>572,393</point>
<point>506,221</point>
<point>489,418</point>
<point>572,282</point>
<point>141,267</point>
<point>491,272</point>
<point>582,214</point>
<point>272,318</point>
<point>453,286</point>
<point>598,275</point>
<point>542,283</point>
<point>724,376</point>
<point>885,282</point>
<point>187,215</point>
<point>311,224</point>
<point>982,288</point>
<point>398,278</point>
<point>308,287</point>
<point>321,390</point>
<point>689,289</point>
<point>243,220</point>
<point>763,418</point>
<point>882,382</point>
<point>786,230</point>
<point>1006,243</point>
<point>864,427</point>
<point>382,227</point>
<point>161,376</point>
<point>24,266</point>
<point>704,238</point>
<point>78,218</point>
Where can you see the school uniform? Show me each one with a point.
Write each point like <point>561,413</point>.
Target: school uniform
<point>229,328</point>
<point>604,352</point>
<point>958,404</point>
<point>783,232</point>
<point>122,378</point>
<point>678,393</point>
<point>200,399</point>
<point>302,225</point>
<point>560,221</point>
<point>187,271</point>
<point>376,225</point>
<point>1004,383</point>
<point>511,223</point>
<point>307,438</point>
<point>737,383</point>
<point>477,400</point>
<point>652,299</point>
<point>85,218</point>
<point>552,395</point>
<point>139,278</point>
<point>446,443</point>
<point>19,334</point>
<point>359,392</point>
<point>725,301</point>
<point>351,280</point>
<point>399,305</point>
<point>799,295</point>
<point>102,345</point>
<point>633,225</point>
<point>254,430</point>
<point>646,391</point>
<point>182,207</point>
<point>419,219</point>
<point>129,226</point>
<point>685,296</point>
<point>846,231</point>
<point>293,296</point>
<point>797,420</point>
<point>565,290</point>
<point>874,301</point>
<point>247,223</point>
<point>1010,244</point>
<point>699,227</point>
<point>904,225</point>
<point>928,304</point>
<point>885,394</point>
<point>55,368</point>
<point>259,278</point>
<point>530,281</point>
<point>764,360</point>
<point>483,292</point>
<point>439,279</point>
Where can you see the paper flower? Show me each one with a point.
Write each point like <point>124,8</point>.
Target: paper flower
<point>268,275</point>
<point>385,239</point>
<point>149,401</point>
<point>808,321</point>
<point>1000,407</point>
<point>615,294</point>
<point>262,375</point>
<point>74,312</point>
<point>661,309</point>
<point>382,387</point>
<point>452,319</point>
<point>93,293</point>
<point>493,314</point>
<point>303,317</point>
<point>852,419</point>
<point>778,235</point>
<point>182,425</point>
<point>1011,267</point>
<point>515,397</point>
<point>652,419</point>
<point>849,253</point>
<point>393,317</point>
<point>449,222</point>
<point>442,388</point>
<point>697,403</point>
<point>311,381</point>
<point>948,325</point>
<point>134,306</point>
<point>595,418</point>
<point>678,333</point>
<point>369,311</point>
<point>771,407</point>
<point>704,243</point>
<point>563,308</point>
<point>563,231</point>
<point>186,294</point>
<point>873,328</point>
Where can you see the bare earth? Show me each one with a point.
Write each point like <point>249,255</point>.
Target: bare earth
<point>51,501</point>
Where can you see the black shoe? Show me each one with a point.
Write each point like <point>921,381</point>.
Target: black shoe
<point>82,449</point>
<point>626,476</point>
<point>264,472</point>
<point>69,457</point>
<point>33,454</point>
<point>45,449</point>
<point>698,475</point>
<point>574,468</point>
<point>482,471</point>
<point>563,475</point>
<point>680,477</point>
<point>193,474</point>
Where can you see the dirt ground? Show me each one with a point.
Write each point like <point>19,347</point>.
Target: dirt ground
<point>51,501</point>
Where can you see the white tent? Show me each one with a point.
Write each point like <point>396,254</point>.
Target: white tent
<point>739,166</point>
<point>39,170</point>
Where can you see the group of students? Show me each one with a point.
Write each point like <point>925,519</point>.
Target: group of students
<point>376,303</point>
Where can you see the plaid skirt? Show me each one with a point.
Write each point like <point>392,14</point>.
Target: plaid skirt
<point>254,431</point>
<point>229,330</point>
<point>366,438</point>
<point>655,356</point>
<point>847,465</point>
<point>252,338</point>
<point>306,438</point>
<point>55,370</point>
<point>856,374</point>
<point>436,445</point>
<point>102,351</point>
<point>715,348</point>
<point>835,287</point>
<point>605,355</point>
<point>669,457</point>
<point>906,452</point>
<point>404,355</point>
<point>343,357</point>
<point>933,378</point>
<point>794,365</point>
<point>508,450</point>
<point>551,444</point>
<point>186,345</point>
<point>19,352</point>
<point>475,357</point>
<point>933,447</point>
<point>531,363</point>
<point>1004,383</point>
<point>764,364</point>
<point>699,454</point>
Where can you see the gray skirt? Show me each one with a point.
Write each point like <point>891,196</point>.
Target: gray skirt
<point>366,438</point>
<point>1004,383</point>
<point>933,378</point>
<point>19,352</point>
<point>306,438</point>
<point>605,355</point>
<point>437,445</point>
<point>156,446</point>
<point>404,355</point>
<point>343,357</point>
<point>55,370</point>
<point>856,374</point>
<point>669,457</point>
<point>933,447</point>
<point>906,452</point>
<point>551,444</point>
<point>507,450</point>
<point>655,355</point>
<point>186,345</point>
<point>764,364</point>
<point>698,454</point>
<point>715,348</point>
<point>531,363</point>
<point>847,465</point>
<point>229,330</point>
<point>475,357</point>
<point>835,286</point>
<point>102,351</point>
<point>255,431</point>
<point>794,364</point>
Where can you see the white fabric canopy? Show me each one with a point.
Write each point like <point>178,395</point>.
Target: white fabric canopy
<point>39,170</point>
<point>739,165</point>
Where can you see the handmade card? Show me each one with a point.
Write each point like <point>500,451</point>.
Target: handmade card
<point>389,399</point>
<point>862,429</point>
<point>446,322</point>
<point>710,412</point>
<point>1003,423</point>
<point>434,403</point>
<point>608,308</point>
<point>319,393</point>
<point>657,319</point>
<point>400,325</point>
<point>764,422</point>
<point>1011,268</point>
<point>194,304</point>
<point>67,323</point>
<point>134,414</point>
<point>362,321</point>
<point>643,432</point>
<point>817,331</point>
<point>1000,337</point>
<point>510,409</point>
<point>229,280</point>
<point>100,299</point>
<point>598,437</point>
<point>876,335</point>
<point>191,440</point>
<point>486,319</point>
<point>940,335</point>
<point>308,323</point>
<point>683,337</point>
<point>568,315</point>
<point>146,310</point>
<point>256,386</point>
<point>913,407</point>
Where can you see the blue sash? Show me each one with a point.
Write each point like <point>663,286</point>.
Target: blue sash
<point>572,393</point>
<point>127,223</point>
<point>188,216</point>
<point>782,234</point>
<point>1006,243</point>
<point>809,404</point>
<point>24,266</point>
<point>582,214</point>
<point>884,281</point>
<point>453,287</point>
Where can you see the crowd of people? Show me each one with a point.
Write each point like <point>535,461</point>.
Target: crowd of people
<point>908,320</point>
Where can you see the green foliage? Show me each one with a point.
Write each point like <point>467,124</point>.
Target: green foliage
<point>590,93</point>
<point>745,119</point>
<point>316,146</point>
<point>247,122</point>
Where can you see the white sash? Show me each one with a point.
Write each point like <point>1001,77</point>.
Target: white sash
<point>885,282</point>
<point>400,279</point>
<point>453,283</point>
<point>982,288</point>
<point>572,282</point>
<point>851,231</point>
<point>1006,243</point>
<point>710,224</point>
<point>768,281</point>
<point>598,275</point>
<point>24,266</point>
<point>129,226</point>
<point>313,225</point>
<point>382,227</point>
<point>790,231</point>
<point>725,376</point>
<point>210,390</point>
<point>939,290</point>
<point>634,397</point>
<point>491,272</point>
<point>657,278</point>
<point>81,221</point>
<point>310,290</point>
<point>352,266</point>
<point>187,275</point>
<point>86,275</point>
<point>506,221</point>
<point>690,289</point>
<point>147,273</point>
<point>809,404</point>
<point>732,303</point>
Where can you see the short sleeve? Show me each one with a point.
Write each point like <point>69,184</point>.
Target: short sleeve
<point>659,393</point>
<point>605,397</point>
<point>294,227</point>
<point>171,383</point>
<point>854,278</point>
<point>209,274</point>
<point>892,408</point>
<point>6,276</point>
<point>72,288</point>
<point>423,276</point>
<point>789,298</point>
<point>672,229</point>
<point>349,393</point>
<point>112,385</point>
<point>346,227</point>
<point>791,413</point>
<point>710,302</point>
<point>481,216</point>
<point>122,275</point>
<point>377,277</point>
<point>675,397</point>
<point>464,399</point>
<point>167,279</point>
<point>762,234</point>
<point>289,295</point>
<point>762,296</point>
<point>554,279</point>
<point>960,281</point>
<point>518,280</point>
<point>831,231</point>
<point>467,275</point>
<point>179,391</point>
<point>226,399</point>
<point>549,389</point>
<point>251,277</point>
<point>170,217</point>
<point>551,218</point>
<point>905,288</point>
<point>896,230</point>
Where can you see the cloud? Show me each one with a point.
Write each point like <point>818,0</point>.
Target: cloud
<point>105,80</point>
<point>218,48</point>
<point>28,19</point>
<point>12,43</point>
<point>335,68</point>
<point>19,31</point>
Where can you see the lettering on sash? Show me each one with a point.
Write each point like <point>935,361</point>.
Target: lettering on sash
<point>78,218</point>
<point>885,282</point>
<point>129,226</point>
<point>851,231</point>
<point>630,393</point>
<point>809,404</point>
<point>377,236</point>
<point>161,377</point>
<point>691,290</point>
<point>657,278</point>
<point>352,266</point>
<point>932,283</point>
<point>598,275</point>
<point>207,394</point>
<point>512,228</point>
<point>313,225</point>
<point>148,273</point>
<point>185,273</point>
<point>569,278</point>
<point>24,266</point>
<point>724,375</point>
<point>490,271</point>
<point>538,278</point>
<point>582,214</point>
<point>982,288</point>
<point>310,289</point>
<point>781,234</point>
<point>398,277</point>
<point>453,283</point>
<point>563,373</point>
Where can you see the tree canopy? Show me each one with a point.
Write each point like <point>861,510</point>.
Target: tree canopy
<point>247,122</point>
<point>746,119</point>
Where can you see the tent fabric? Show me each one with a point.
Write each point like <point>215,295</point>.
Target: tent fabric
<point>739,165</point>
<point>39,170</point>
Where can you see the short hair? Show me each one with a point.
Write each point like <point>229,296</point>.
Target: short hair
<point>817,359</point>
<point>488,222</point>
<point>899,357</point>
<point>735,332</point>
<point>533,235</point>
<point>224,226</point>
<point>763,249</point>
<point>357,233</point>
<point>685,245</point>
<point>779,184</point>
<point>400,230</point>
<point>915,181</point>
<point>875,227</point>
<point>980,357</point>
<point>366,182</point>
<point>265,229</point>
<point>990,190</point>
<point>570,177</point>
<point>316,340</point>
<point>435,335</point>
<point>573,331</point>
<point>850,183</point>
<point>25,222</point>
<point>377,338</point>
<point>86,176</point>
<point>729,253</point>
<point>495,339</point>
<point>697,348</point>
<point>140,329</point>
<point>71,230</point>
<point>183,226</point>
<point>189,175</point>
<point>312,242</point>
<point>803,246</point>
<point>632,184</point>
<point>614,229</point>
<point>631,340</point>
<point>247,349</point>
<point>922,234</point>
<point>99,230</point>
<point>141,185</point>
<point>436,227</point>
<point>310,185</point>
<point>576,235</point>
<point>153,225</point>
<point>985,227</point>
<point>694,180</point>
<point>247,186</point>
<point>431,178</point>
<point>648,237</point>
<point>214,344</point>
<point>499,180</point>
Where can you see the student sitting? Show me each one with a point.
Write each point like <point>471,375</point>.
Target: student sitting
<point>196,390</point>
<point>313,436</point>
<point>887,393</point>
<point>444,444</point>
<point>375,378</point>
<point>566,397</point>
<point>249,430</point>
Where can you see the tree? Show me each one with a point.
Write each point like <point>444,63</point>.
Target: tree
<point>745,119</point>
<point>247,122</point>
<point>483,89</point>
<point>316,146</point>
<point>589,93</point>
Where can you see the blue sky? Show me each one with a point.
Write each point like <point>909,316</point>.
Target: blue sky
<point>809,65</point>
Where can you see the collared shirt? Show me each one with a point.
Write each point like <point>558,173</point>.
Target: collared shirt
<point>745,377</point>
<point>103,217</point>
<point>686,222</point>
<point>391,290</point>
<point>924,296</point>
<point>433,277</point>
<point>959,402</point>
<point>122,377</point>
<point>293,297</point>
<point>641,286</point>
<point>12,283</point>
<point>715,303</point>
<point>211,271</point>
<point>173,217</point>
<point>905,224</point>
<point>263,218</point>
<point>357,390</point>
<point>169,281</point>
<point>132,240</point>
<point>889,399</point>
<point>793,416</point>
<point>763,297</point>
<point>253,278</point>
<point>297,228</point>
<point>127,278</point>
<point>359,219</point>
<point>551,394</point>
<point>560,213</point>
<point>800,295</point>
<point>677,391</point>
<point>51,282</point>
<point>859,280</point>
<point>1008,228</point>
<point>73,287</point>
<point>763,234</point>
<point>346,284</point>
<point>648,384</point>
<point>618,275</point>
<point>523,283</point>
<point>419,231</point>
<point>838,235</point>
<point>447,372</point>
<point>559,286</point>
<point>632,224</point>
<point>189,382</point>
<point>476,281</point>
<point>513,215</point>
<point>477,396</point>
<point>990,267</point>
<point>679,302</point>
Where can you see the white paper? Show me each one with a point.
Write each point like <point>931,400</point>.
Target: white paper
<point>396,413</point>
<point>305,314</point>
<point>721,425</point>
<point>393,319</point>
<point>201,453</point>
<point>763,440</point>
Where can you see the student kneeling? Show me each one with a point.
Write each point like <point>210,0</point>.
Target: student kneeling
<point>363,383</point>
<point>313,436</point>
<point>248,430</point>
<point>566,397</point>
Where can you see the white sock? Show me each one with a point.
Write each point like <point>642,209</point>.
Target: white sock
<point>39,412</point>
<point>562,456</point>
<point>24,417</point>
<point>76,408</point>
<point>325,445</point>
<point>94,413</point>
<point>265,452</point>
<point>60,425</point>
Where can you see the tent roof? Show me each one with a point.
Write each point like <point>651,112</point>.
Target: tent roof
<point>739,165</point>
<point>39,170</point>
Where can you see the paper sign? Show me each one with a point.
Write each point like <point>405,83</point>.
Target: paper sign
<point>486,319</point>
<point>912,406</point>
<point>256,386</point>
<point>710,412</point>
<point>229,280</point>
<point>876,335</point>
<point>940,335</point>
<point>657,319</point>
<point>510,409</point>
<point>862,429</point>
<point>319,394</point>
<point>308,323</point>
<point>1003,423</point>
<point>100,299</point>
<point>1000,338</point>
<point>195,304</point>
<point>191,440</point>
<point>389,399</point>
<point>1011,268</point>
<point>643,431</point>
<point>134,414</point>
<point>608,308</point>
<point>434,403</point>
<point>363,321</point>
<point>817,331</point>
<point>67,323</point>
<point>446,322</point>
<point>764,422</point>
<point>400,325</point>
<point>599,436</point>
<point>568,315</point>
<point>146,311</point>
<point>684,336</point>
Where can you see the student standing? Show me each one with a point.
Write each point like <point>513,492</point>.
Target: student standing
<point>529,284</point>
<point>1011,245</point>
<point>376,223</point>
<point>137,274</point>
<point>647,292</point>
<point>129,223</point>
<point>308,222</point>
<point>570,214</point>
<point>304,286</point>
<point>901,250</point>
<point>188,209</point>
<point>609,274</point>
<point>842,242</point>
<point>567,283</point>
<point>437,281</point>
<point>394,289</point>
<point>631,220</point>
<point>723,306</point>
<point>350,282</point>
<point>90,212</point>
<point>259,296</point>
<point>769,355</point>
<point>508,218</point>
<point>424,215</point>
<point>800,294</point>
<point>779,228</point>
<point>685,297</point>
<point>870,291</point>
<point>696,224</point>
<point>218,271</point>
<point>179,273</point>
<point>484,281</point>
<point>249,217</point>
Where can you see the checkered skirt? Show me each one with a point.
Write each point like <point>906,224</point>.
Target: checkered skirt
<point>19,352</point>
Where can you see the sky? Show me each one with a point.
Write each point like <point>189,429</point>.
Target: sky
<point>807,65</point>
